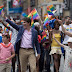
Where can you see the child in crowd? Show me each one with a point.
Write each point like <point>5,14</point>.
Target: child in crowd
<point>68,56</point>
<point>6,53</point>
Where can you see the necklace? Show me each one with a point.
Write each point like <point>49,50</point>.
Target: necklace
<point>56,31</point>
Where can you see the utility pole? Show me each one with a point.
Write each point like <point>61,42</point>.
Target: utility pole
<point>8,7</point>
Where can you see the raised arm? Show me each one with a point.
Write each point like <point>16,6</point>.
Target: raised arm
<point>9,21</point>
<point>4,24</point>
<point>64,30</point>
<point>58,41</point>
<point>12,24</point>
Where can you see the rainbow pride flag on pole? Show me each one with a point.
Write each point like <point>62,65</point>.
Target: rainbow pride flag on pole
<point>51,7</point>
<point>46,20</point>
<point>6,28</point>
<point>43,38</point>
<point>8,24</point>
<point>1,8</point>
<point>49,11</point>
<point>34,13</point>
<point>32,22</point>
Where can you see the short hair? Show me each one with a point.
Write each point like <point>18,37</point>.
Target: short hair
<point>36,20</point>
<point>6,35</point>
<point>27,20</point>
<point>56,22</point>
<point>66,17</point>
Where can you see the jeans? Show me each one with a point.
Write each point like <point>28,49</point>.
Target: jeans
<point>41,60</point>
<point>48,59</point>
<point>45,57</point>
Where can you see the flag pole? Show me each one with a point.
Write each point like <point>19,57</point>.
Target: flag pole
<point>39,16</point>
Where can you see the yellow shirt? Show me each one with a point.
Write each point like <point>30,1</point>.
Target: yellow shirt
<point>54,43</point>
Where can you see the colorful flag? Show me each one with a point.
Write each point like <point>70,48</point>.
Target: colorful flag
<point>22,21</point>
<point>8,24</point>
<point>19,1</point>
<point>49,11</point>
<point>51,7</point>
<point>43,38</point>
<point>5,29</point>
<point>32,22</point>
<point>24,14</point>
<point>34,13</point>
<point>1,8</point>
<point>46,20</point>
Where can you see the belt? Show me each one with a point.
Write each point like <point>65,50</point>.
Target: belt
<point>26,48</point>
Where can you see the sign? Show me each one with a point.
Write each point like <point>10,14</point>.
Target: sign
<point>15,10</point>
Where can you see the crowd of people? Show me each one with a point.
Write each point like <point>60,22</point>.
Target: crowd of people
<point>26,47</point>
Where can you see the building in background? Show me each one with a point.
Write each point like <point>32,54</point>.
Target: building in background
<point>63,7</point>
<point>66,10</point>
<point>29,5</point>
<point>42,7</point>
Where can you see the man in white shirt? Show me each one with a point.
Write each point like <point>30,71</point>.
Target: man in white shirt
<point>68,27</point>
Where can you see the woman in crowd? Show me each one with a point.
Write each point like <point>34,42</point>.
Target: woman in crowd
<point>55,48</point>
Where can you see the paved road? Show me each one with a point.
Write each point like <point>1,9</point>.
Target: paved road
<point>52,69</point>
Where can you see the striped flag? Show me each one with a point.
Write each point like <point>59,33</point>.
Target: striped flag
<point>46,21</point>
<point>49,11</point>
<point>32,22</point>
<point>44,37</point>
<point>34,13</point>
<point>1,8</point>
<point>51,7</point>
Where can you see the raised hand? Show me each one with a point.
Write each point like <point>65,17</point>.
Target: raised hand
<point>3,14</point>
<point>60,22</point>
<point>53,36</point>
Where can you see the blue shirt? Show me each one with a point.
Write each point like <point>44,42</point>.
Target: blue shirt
<point>0,39</point>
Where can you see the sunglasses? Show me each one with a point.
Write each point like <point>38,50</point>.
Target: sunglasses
<point>5,34</point>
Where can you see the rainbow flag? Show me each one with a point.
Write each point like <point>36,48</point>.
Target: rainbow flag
<point>51,7</point>
<point>8,24</point>
<point>1,8</point>
<point>43,38</point>
<point>5,29</point>
<point>24,14</point>
<point>32,22</point>
<point>19,1</point>
<point>34,13</point>
<point>46,20</point>
<point>22,21</point>
<point>49,11</point>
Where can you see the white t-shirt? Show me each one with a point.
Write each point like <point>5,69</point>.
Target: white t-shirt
<point>68,59</point>
<point>68,28</point>
<point>14,35</point>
